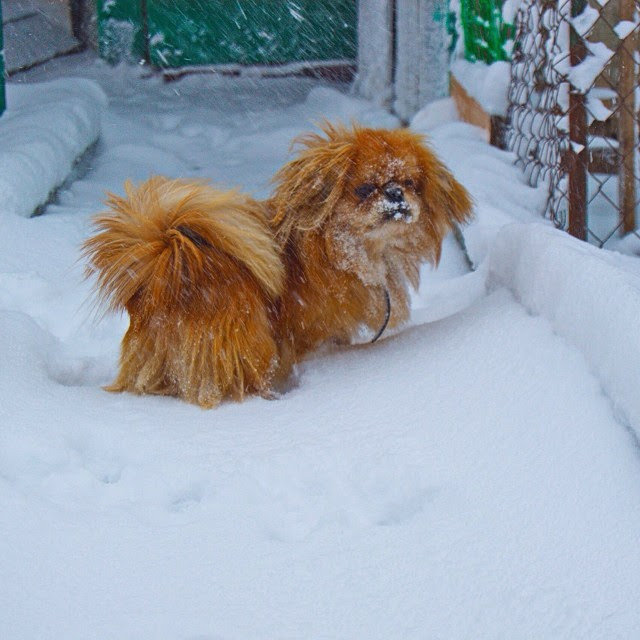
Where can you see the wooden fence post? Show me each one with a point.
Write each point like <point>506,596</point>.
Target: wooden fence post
<point>578,127</point>
<point>376,51</point>
<point>421,64</point>
<point>408,59</point>
<point>627,132</point>
<point>3,101</point>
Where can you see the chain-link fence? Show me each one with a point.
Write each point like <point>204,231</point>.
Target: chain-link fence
<point>574,111</point>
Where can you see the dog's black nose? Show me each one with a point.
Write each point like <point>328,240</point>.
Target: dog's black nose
<point>394,193</point>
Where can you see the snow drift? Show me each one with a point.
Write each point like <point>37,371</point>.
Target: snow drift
<point>590,296</point>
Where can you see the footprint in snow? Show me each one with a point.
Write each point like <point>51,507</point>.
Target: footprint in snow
<point>405,508</point>
<point>186,500</point>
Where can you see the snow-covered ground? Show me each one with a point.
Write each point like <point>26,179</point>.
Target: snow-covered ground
<point>474,476</point>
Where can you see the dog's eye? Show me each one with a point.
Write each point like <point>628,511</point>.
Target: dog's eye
<point>409,184</point>
<point>365,190</point>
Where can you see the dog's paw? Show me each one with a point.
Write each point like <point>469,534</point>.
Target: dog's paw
<point>270,394</point>
<point>283,387</point>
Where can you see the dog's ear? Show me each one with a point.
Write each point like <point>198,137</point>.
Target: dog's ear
<point>309,187</point>
<point>446,201</point>
<point>441,191</point>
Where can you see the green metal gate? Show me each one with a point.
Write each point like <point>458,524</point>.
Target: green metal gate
<point>175,33</point>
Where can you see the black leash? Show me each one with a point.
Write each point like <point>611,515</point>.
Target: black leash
<point>387,315</point>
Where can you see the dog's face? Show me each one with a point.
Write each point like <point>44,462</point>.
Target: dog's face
<point>383,193</point>
<point>371,194</point>
<point>383,188</point>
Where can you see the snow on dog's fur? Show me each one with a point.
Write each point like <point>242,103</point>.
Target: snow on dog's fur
<point>225,293</point>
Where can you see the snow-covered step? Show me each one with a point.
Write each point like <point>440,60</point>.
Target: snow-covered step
<point>32,37</point>
<point>16,11</point>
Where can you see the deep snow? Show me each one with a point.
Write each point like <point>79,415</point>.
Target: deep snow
<point>465,478</point>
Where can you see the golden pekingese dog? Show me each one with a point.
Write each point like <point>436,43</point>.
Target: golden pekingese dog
<point>225,293</point>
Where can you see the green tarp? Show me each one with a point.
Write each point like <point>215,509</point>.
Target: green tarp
<point>195,32</point>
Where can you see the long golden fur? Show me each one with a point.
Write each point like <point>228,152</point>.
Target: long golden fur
<point>225,293</point>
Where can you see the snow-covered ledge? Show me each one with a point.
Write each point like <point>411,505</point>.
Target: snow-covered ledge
<point>45,129</point>
<point>590,296</point>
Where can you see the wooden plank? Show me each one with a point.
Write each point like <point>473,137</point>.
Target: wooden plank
<point>468,108</point>
<point>578,129</point>
<point>3,100</point>
<point>338,71</point>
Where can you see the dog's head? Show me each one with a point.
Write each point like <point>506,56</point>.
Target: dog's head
<point>368,192</point>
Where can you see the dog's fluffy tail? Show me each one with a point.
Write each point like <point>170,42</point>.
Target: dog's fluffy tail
<point>198,272</point>
<point>176,244</point>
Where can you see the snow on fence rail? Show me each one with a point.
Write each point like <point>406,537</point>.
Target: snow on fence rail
<point>573,111</point>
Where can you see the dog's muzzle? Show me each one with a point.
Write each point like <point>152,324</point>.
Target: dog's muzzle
<point>394,205</point>
<point>399,212</point>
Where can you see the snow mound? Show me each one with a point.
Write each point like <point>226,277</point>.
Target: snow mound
<point>434,114</point>
<point>322,101</point>
<point>45,129</point>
